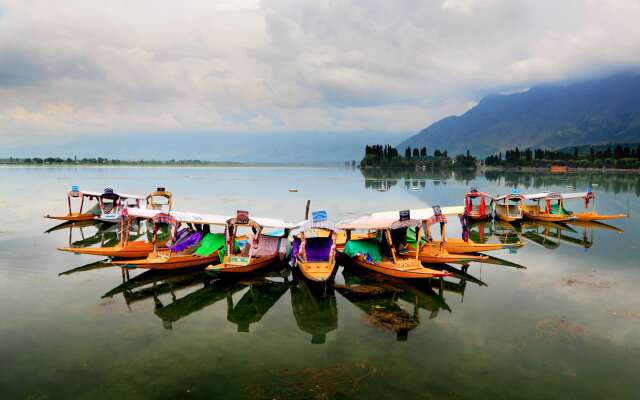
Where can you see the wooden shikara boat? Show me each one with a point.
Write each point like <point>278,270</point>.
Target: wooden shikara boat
<point>161,199</point>
<point>549,213</point>
<point>112,204</point>
<point>437,253</point>
<point>169,260</point>
<point>480,212</point>
<point>314,253</point>
<point>189,248</point>
<point>125,248</point>
<point>76,216</point>
<point>121,250</point>
<point>590,214</point>
<point>366,253</point>
<point>431,251</point>
<point>261,251</point>
<point>508,207</point>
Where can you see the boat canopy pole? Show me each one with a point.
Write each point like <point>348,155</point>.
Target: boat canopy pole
<point>302,246</point>
<point>393,249</point>
<point>255,242</point>
<point>229,236</point>
<point>418,240</point>
<point>332,252</point>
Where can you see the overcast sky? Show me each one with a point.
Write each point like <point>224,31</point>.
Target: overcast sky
<point>78,68</point>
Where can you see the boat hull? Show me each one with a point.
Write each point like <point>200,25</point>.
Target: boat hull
<point>549,217</point>
<point>255,263</point>
<point>319,271</point>
<point>459,246</point>
<point>508,218</point>
<point>478,217</point>
<point>534,213</point>
<point>412,271</point>
<point>435,256</point>
<point>176,261</point>
<point>131,250</point>
<point>72,217</point>
<point>588,216</point>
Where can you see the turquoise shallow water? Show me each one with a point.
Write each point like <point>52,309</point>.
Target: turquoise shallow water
<point>567,326</point>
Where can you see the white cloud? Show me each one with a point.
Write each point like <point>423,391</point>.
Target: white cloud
<point>87,67</point>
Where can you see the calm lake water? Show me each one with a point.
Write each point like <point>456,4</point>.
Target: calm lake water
<point>567,326</point>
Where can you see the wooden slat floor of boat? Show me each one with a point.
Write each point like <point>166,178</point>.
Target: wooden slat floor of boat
<point>255,264</point>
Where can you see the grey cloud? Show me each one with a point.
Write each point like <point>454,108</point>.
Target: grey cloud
<point>235,67</point>
<point>27,66</point>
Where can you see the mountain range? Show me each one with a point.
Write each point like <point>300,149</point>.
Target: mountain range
<point>588,112</point>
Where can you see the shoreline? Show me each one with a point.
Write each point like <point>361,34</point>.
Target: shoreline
<point>176,165</point>
<point>546,169</point>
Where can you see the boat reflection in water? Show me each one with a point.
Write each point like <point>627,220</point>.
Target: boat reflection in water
<point>262,294</point>
<point>379,297</point>
<point>391,304</point>
<point>315,311</point>
<point>549,235</point>
<point>576,233</point>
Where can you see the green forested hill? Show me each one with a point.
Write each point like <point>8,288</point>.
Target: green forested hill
<point>598,111</point>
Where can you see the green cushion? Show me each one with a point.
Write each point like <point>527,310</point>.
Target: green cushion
<point>367,247</point>
<point>211,243</point>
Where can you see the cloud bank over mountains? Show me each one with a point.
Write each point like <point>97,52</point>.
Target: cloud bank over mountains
<point>90,68</point>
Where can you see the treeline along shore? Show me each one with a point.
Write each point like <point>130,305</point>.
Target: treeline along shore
<point>388,156</point>
<point>102,161</point>
<point>613,156</point>
<point>58,161</point>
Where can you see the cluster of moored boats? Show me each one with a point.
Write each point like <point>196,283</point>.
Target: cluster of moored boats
<point>545,206</point>
<point>395,243</point>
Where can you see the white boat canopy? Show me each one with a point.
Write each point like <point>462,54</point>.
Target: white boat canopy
<point>274,223</point>
<point>543,195</point>
<point>513,197</point>
<point>130,196</point>
<point>579,195</point>
<point>423,214</point>
<point>88,193</point>
<point>309,224</point>
<point>213,219</point>
<point>84,193</point>
<point>186,217</point>
<point>377,222</point>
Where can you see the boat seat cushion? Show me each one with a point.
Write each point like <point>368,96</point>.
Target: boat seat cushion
<point>267,246</point>
<point>367,247</point>
<point>211,243</point>
<point>318,248</point>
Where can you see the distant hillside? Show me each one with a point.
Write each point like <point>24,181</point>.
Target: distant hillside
<point>586,149</point>
<point>593,112</point>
